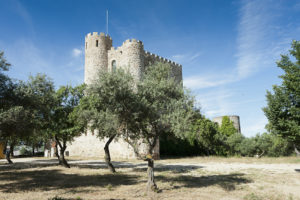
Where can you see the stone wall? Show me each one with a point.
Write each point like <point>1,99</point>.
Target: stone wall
<point>88,145</point>
<point>151,58</point>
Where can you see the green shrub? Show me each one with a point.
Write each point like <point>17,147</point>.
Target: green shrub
<point>25,151</point>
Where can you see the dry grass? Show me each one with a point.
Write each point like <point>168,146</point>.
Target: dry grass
<point>91,180</point>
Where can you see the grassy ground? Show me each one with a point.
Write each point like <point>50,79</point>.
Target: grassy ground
<point>186,178</point>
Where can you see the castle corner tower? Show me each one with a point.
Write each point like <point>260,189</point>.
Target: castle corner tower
<point>96,48</point>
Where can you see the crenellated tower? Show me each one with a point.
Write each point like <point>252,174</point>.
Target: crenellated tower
<point>96,48</point>
<point>133,56</point>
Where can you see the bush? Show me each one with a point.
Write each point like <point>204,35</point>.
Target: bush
<point>267,144</point>
<point>173,146</point>
<point>24,151</point>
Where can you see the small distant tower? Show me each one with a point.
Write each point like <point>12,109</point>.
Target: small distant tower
<point>233,118</point>
<point>96,47</point>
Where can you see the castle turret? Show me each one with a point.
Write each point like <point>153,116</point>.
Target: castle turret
<point>96,47</point>
<point>233,118</point>
<point>134,57</point>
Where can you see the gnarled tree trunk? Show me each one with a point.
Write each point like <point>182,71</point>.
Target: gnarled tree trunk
<point>56,153</point>
<point>107,154</point>
<point>151,185</point>
<point>61,158</point>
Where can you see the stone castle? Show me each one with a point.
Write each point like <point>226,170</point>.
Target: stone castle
<point>100,55</point>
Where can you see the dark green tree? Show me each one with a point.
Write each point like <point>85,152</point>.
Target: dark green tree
<point>227,128</point>
<point>283,108</point>
<point>205,132</point>
<point>64,125</point>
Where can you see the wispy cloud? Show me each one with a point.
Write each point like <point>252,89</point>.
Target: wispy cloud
<point>216,102</point>
<point>254,29</point>
<point>20,10</point>
<point>207,81</point>
<point>264,32</point>
<point>77,52</point>
<point>186,58</point>
<point>255,126</point>
<point>260,41</point>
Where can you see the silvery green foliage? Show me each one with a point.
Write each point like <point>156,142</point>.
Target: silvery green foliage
<point>107,107</point>
<point>165,106</point>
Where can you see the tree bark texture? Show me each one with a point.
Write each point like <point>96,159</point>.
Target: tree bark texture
<point>151,185</point>
<point>62,158</point>
<point>107,154</point>
<point>56,153</point>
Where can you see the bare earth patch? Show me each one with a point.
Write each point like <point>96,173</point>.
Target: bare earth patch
<point>187,178</point>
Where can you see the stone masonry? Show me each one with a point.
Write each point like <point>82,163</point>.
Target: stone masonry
<point>100,55</point>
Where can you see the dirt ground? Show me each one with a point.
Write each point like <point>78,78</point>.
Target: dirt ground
<point>187,178</point>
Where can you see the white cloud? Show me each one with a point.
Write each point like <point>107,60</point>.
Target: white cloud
<point>254,127</point>
<point>253,31</point>
<point>207,81</point>
<point>260,42</point>
<point>77,52</point>
<point>216,102</point>
<point>186,58</point>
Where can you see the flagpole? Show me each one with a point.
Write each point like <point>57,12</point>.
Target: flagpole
<point>106,22</point>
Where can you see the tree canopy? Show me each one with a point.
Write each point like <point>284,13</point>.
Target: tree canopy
<point>283,108</point>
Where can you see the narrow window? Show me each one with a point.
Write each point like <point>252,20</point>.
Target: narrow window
<point>113,66</point>
<point>86,45</point>
<point>96,43</point>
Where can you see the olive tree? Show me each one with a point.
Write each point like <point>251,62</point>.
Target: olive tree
<point>64,125</point>
<point>162,106</point>
<point>108,108</point>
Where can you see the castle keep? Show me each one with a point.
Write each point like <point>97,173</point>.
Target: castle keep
<point>100,55</point>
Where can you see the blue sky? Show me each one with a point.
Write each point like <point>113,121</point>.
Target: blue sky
<point>228,49</point>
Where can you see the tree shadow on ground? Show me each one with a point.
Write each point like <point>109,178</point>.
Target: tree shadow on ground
<point>102,165</point>
<point>228,182</point>
<point>54,179</point>
<point>73,163</point>
<point>171,168</point>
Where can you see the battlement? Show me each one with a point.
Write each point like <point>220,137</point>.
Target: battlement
<point>101,34</point>
<point>130,41</point>
<point>161,59</point>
